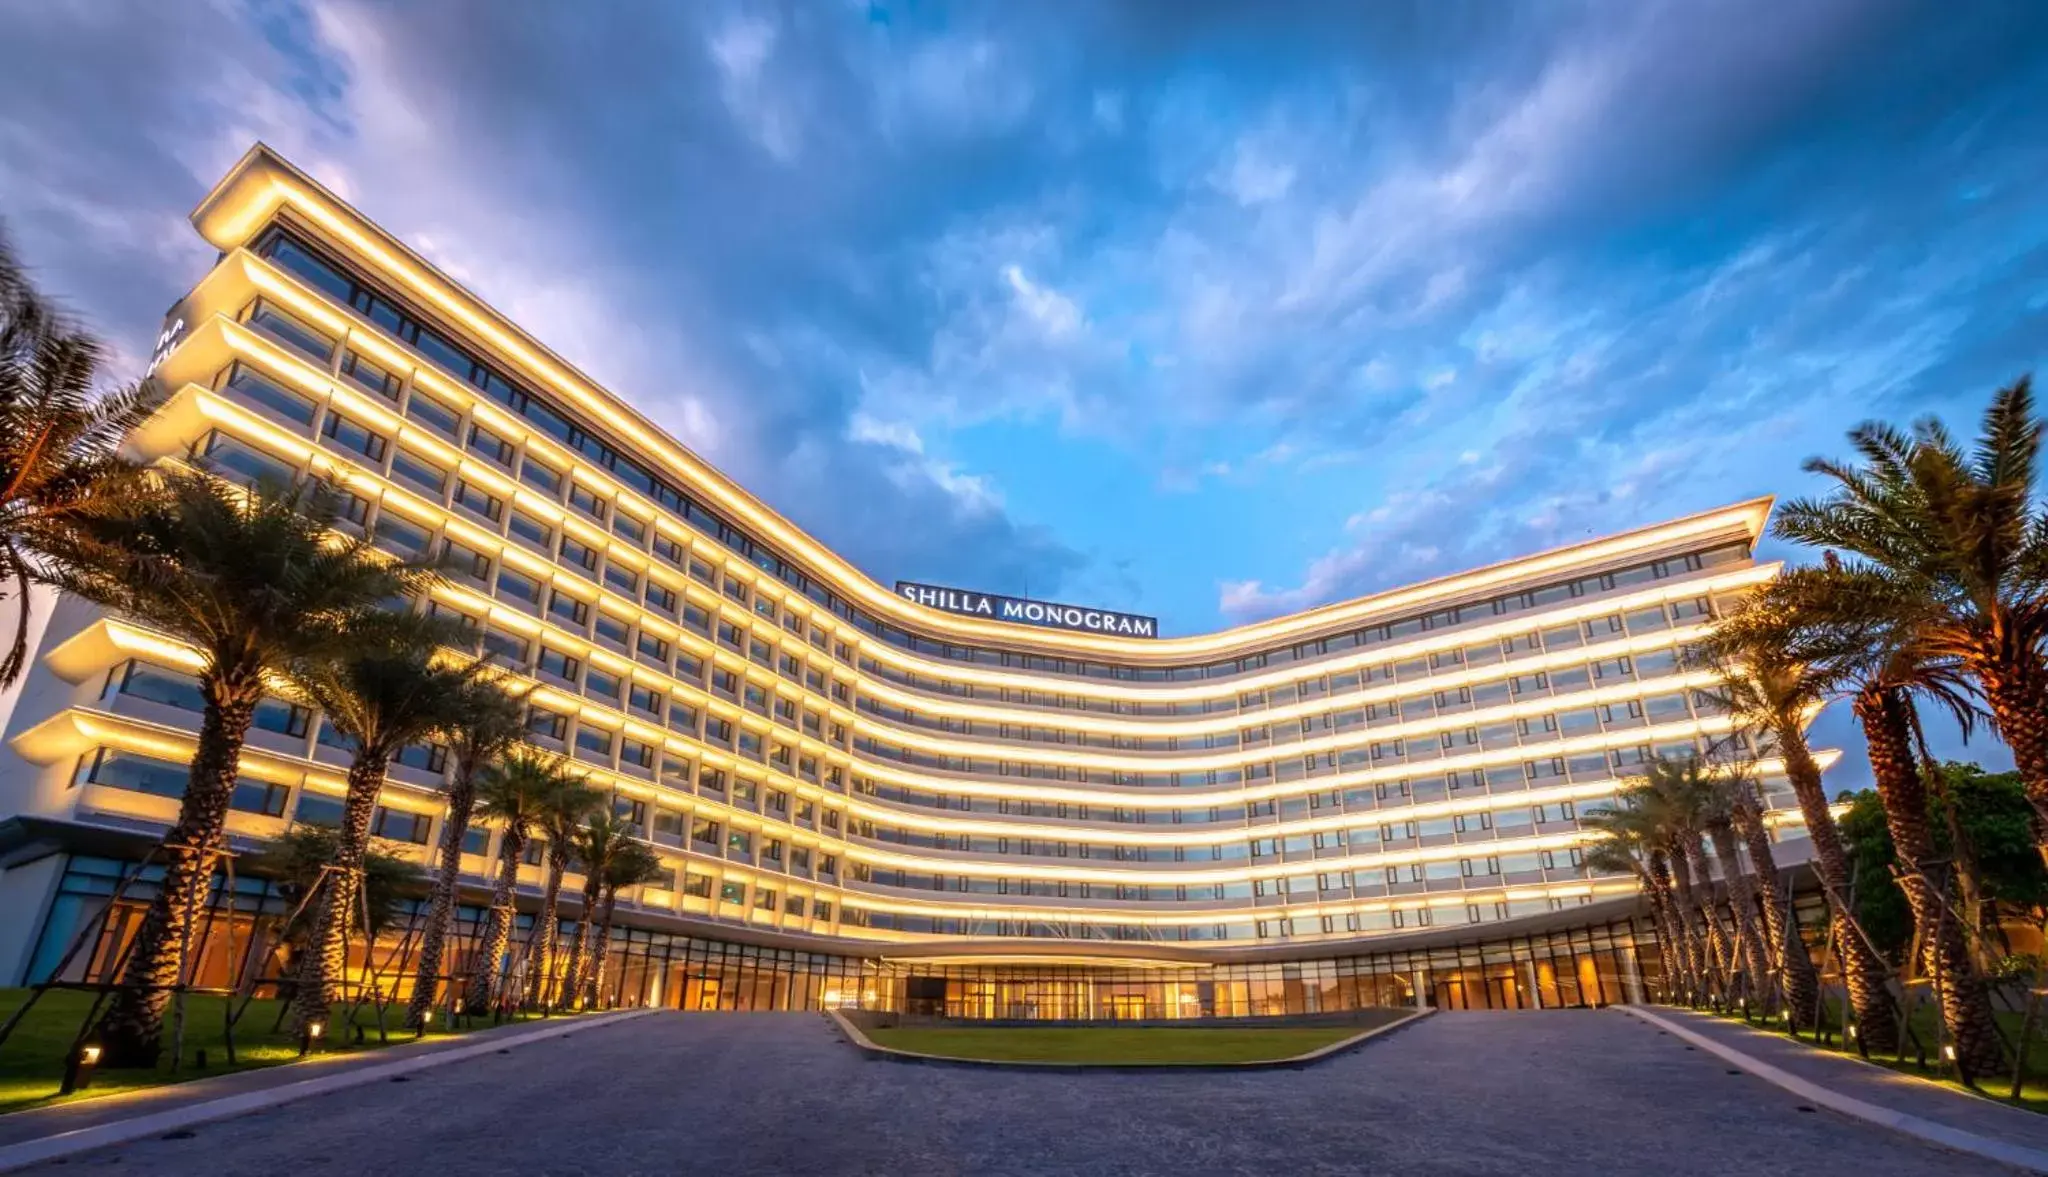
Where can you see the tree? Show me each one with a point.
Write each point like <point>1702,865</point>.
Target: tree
<point>60,439</point>
<point>515,792</point>
<point>1781,929</point>
<point>1964,532</point>
<point>295,861</point>
<point>384,694</point>
<point>1874,637</point>
<point>632,865</point>
<point>253,580</point>
<point>486,722</point>
<point>1771,692</point>
<point>1716,792</point>
<point>561,817</point>
<point>1626,846</point>
<point>602,838</point>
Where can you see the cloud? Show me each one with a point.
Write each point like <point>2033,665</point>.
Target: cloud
<point>1242,313</point>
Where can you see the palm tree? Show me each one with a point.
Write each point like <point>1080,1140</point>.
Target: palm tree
<point>1873,635</point>
<point>632,865</point>
<point>297,859</point>
<point>1626,847</point>
<point>1795,968</point>
<point>1771,691</point>
<point>561,818</point>
<point>383,695</point>
<point>1966,534</point>
<point>253,581</point>
<point>1717,791</point>
<point>515,792</point>
<point>603,837</point>
<point>60,440</point>
<point>487,722</point>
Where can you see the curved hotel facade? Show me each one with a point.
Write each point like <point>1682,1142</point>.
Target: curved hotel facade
<point>863,795</point>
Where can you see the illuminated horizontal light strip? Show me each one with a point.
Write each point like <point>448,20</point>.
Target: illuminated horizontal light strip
<point>1161,726</point>
<point>1706,583</point>
<point>1126,760</point>
<point>247,198</point>
<point>124,733</point>
<point>403,430</point>
<point>1182,835</point>
<point>1144,918</point>
<point>1195,835</point>
<point>1153,797</point>
<point>171,744</point>
<point>612,720</point>
<point>249,426</point>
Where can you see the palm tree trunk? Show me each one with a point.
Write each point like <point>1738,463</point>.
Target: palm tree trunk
<point>1795,967</point>
<point>131,1033</point>
<point>1742,900</point>
<point>2016,693</point>
<point>484,979</point>
<point>1697,948</point>
<point>441,912</point>
<point>540,942</point>
<point>1863,972</point>
<point>594,987</point>
<point>336,909</point>
<point>1719,942</point>
<point>1679,967</point>
<point>1965,1001</point>
<point>579,953</point>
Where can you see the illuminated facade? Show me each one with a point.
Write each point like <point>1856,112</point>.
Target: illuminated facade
<point>832,772</point>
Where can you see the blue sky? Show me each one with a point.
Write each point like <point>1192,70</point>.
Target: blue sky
<point>1197,309</point>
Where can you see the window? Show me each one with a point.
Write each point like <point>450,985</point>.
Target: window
<point>541,477</point>
<point>703,829</point>
<point>547,725</point>
<point>579,554</point>
<point>286,253</point>
<point>733,893</point>
<point>653,649</point>
<point>290,331</point>
<point>224,453</point>
<point>645,700</point>
<point>602,684</point>
<point>612,631</point>
<point>530,531</point>
<point>627,527</point>
<point>419,473</point>
<point>260,390</point>
<point>371,377</point>
<point>259,797</point>
<point>622,579</point>
<point>559,664</point>
<point>462,560</point>
<point>593,743</point>
<point>478,501</point>
<point>396,535</point>
<point>509,646</point>
<point>489,446</point>
<point>739,842</point>
<point>587,502</point>
<point>400,826</point>
<point>433,414</point>
<point>319,809</point>
<point>141,774</point>
<point>568,609</point>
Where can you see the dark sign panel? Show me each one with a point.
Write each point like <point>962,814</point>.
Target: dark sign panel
<point>1023,612</point>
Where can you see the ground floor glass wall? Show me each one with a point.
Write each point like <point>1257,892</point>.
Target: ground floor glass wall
<point>242,945</point>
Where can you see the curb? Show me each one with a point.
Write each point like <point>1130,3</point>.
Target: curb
<point>877,1052</point>
<point>1956,1139</point>
<point>63,1144</point>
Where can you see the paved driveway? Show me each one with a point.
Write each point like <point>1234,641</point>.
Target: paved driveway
<point>1467,1094</point>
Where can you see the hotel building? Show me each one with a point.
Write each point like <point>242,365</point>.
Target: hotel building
<point>859,797</point>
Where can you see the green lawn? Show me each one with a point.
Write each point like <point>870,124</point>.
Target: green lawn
<point>1112,1044</point>
<point>32,1060</point>
<point>1925,1021</point>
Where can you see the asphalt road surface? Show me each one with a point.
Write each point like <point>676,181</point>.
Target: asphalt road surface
<point>1471,1094</point>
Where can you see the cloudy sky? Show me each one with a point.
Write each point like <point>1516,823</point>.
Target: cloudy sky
<point>1204,310</point>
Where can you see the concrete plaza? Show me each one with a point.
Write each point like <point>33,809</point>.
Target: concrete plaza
<point>1466,1094</point>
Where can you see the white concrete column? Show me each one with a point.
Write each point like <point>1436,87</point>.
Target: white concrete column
<point>1421,982</point>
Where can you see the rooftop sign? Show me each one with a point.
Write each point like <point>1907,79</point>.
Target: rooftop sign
<point>1016,609</point>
